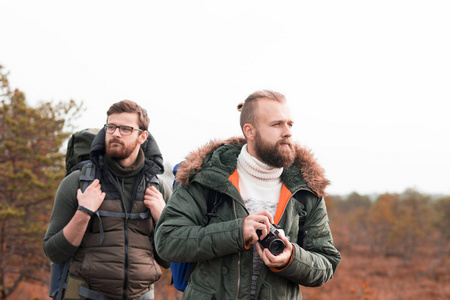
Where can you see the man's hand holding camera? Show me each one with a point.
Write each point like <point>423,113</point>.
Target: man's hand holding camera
<point>276,261</point>
<point>276,250</point>
<point>260,220</point>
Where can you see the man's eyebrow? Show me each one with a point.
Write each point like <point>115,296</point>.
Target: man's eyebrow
<point>282,121</point>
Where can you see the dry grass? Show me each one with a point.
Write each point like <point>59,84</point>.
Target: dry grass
<point>364,276</point>
<point>359,276</point>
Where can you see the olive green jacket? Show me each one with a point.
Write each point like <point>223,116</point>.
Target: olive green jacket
<point>224,268</point>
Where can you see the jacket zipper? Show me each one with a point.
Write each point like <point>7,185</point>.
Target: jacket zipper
<point>125,230</point>
<point>125,284</point>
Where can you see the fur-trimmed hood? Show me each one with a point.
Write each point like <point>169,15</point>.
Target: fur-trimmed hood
<point>305,169</point>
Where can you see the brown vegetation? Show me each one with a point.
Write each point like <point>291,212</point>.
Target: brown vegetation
<point>393,248</point>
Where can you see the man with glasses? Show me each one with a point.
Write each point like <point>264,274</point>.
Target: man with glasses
<point>108,229</point>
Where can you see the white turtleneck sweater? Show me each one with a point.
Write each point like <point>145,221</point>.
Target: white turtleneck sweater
<point>260,187</point>
<point>259,183</point>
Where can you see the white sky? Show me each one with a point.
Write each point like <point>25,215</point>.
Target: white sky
<point>368,82</point>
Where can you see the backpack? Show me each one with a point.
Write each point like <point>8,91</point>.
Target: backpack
<point>78,149</point>
<point>182,271</point>
<point>77,155</point>
<point>78,158</point>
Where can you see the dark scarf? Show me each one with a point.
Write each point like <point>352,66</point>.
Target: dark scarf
<point>120,171</point>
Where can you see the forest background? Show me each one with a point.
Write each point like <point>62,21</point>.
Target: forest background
<point>393,245</point>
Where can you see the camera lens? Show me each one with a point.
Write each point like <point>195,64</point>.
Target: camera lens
<point>276,247</point>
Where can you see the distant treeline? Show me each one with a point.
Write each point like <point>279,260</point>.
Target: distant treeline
<point>390,224</point>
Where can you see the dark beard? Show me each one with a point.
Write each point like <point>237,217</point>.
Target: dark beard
<point>117,152</point>
<point>274,155</point>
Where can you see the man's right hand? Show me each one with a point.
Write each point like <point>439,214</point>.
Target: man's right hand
<point>92,197</point>
<point>260,220</point>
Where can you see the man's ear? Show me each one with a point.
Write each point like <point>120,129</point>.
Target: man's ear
<point>143,137</point>
<point>249,131</point>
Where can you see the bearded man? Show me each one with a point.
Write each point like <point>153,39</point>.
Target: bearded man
<point>107,231</point>
<point>259,179</point>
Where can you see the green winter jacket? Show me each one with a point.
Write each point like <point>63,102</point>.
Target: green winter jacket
<point>224,267</point>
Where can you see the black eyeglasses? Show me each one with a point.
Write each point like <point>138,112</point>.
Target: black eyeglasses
<point>124,130</point>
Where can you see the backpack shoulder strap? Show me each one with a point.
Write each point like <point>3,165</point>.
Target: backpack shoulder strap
<point>213,201</point>
<point>301,197</point>
<point>58,279</point>
<point>63,280</point>
<point>87,175</point>
<point>151,180</point>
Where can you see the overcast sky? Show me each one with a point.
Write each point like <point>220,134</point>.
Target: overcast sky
<point>368,82</point>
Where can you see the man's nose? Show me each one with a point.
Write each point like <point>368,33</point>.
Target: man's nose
<point>287,130</point>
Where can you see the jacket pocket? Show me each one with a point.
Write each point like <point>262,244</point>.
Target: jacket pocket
<point>266,291</point>
<point>73,285</point>
<point>193,293</point>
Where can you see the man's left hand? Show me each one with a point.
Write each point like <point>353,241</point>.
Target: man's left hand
<point>276,261</point>
<point>154,201</point>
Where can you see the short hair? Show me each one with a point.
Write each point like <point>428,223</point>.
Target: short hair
<point>248,108</point>
<point>128,106</point>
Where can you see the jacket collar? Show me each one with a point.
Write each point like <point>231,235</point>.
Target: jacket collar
<point>221,155</point>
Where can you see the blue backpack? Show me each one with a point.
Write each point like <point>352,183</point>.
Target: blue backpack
<point>180,271</point>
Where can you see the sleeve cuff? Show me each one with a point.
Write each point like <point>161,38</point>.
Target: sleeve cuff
<point>246,243</point>
<point>290,260</point>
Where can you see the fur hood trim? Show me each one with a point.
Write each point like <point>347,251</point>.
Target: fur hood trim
<point>311,171</point>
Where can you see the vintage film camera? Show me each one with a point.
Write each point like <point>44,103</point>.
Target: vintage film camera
<point>272,241</point>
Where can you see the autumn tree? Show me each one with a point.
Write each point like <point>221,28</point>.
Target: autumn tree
<point>381,220</point>
<point>441,209</point>
<point>441,222</point>
<point>31,167</point>
<point>338,220</point>
<point>413,224</point>
<point>355,200</point>
<point>356,208</point>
